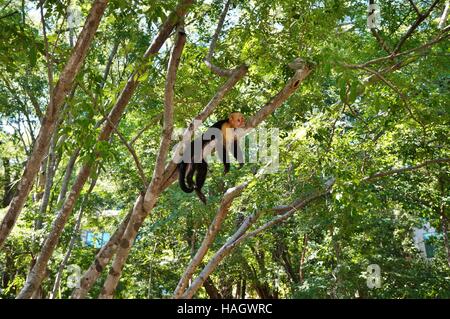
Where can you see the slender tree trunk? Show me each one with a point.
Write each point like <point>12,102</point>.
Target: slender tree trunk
<point>7,185</point>
<point>36,274</point>
<point>67,175</point>
<point>73,239</point>
<point>101,260</point>
<point>51,116</point>
<point>50,173</point>
<point>302,259</point>
<point>238,288</point>
<point>244,288</point>
<point>211,290</point>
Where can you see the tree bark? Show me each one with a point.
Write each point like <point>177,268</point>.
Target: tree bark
<point>67,175</point>
<point>51,116</point>
<point>101,260</point>
<point>210,235</point>
<point>50,173</point>
<point>211,290</point>
<point>73,239</point>
<point>7,186</point>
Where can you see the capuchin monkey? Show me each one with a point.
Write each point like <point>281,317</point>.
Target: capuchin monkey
<point>194,163</point>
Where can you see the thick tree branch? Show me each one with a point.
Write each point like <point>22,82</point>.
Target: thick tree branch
<point>210,235</point>
<point>289,89</point>
<point>406,169</point>
<point>413,27</point>
<point>208,60</point>
<point>241,234</point>
<point>443,19</point>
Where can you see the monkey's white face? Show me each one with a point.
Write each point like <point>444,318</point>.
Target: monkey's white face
<point>237,120</point>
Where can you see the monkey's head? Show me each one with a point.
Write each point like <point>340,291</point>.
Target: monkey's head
<point>236,120</point>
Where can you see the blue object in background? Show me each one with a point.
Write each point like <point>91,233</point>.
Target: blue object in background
<point>96,240</point>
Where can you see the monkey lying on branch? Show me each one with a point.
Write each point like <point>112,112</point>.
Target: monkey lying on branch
<point>194,163</point>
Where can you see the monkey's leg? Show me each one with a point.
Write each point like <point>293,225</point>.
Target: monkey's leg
<point>182,167</point>
<point>191,167</point>
<point>202,171</point>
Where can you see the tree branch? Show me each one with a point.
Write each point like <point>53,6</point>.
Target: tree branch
<point>405,169</point>
<point>210,235</point>
<point>380,40</point>
<point>415,8</point>
<point>443,19</point>
<point>215,69</point>
<point>440,37</point>
<point>413,27</point>
<point>241,234</point>
<point>132,152</point>
<point>47,55</point>
<point>290,87</point>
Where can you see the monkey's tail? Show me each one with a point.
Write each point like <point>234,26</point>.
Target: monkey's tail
<point>182,178</point>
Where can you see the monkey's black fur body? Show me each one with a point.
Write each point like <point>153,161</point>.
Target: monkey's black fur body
<point>187,169</point>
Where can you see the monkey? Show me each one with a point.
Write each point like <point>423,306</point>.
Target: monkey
<point>194,163</point>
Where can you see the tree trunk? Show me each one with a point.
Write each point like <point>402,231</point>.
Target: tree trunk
<point>145,204</point>
<point>67,175</point>
<point>37,273</point>
<point>51,116</point>
<point>101,260</point>
<point>73,239</point>
<point>211,290</point>
<point>302,259</point>
<point>7,186</point>
<point>243,289</point>
<point>50,173</point>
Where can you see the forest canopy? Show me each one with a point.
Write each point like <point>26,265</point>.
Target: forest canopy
<point>345,187</point>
